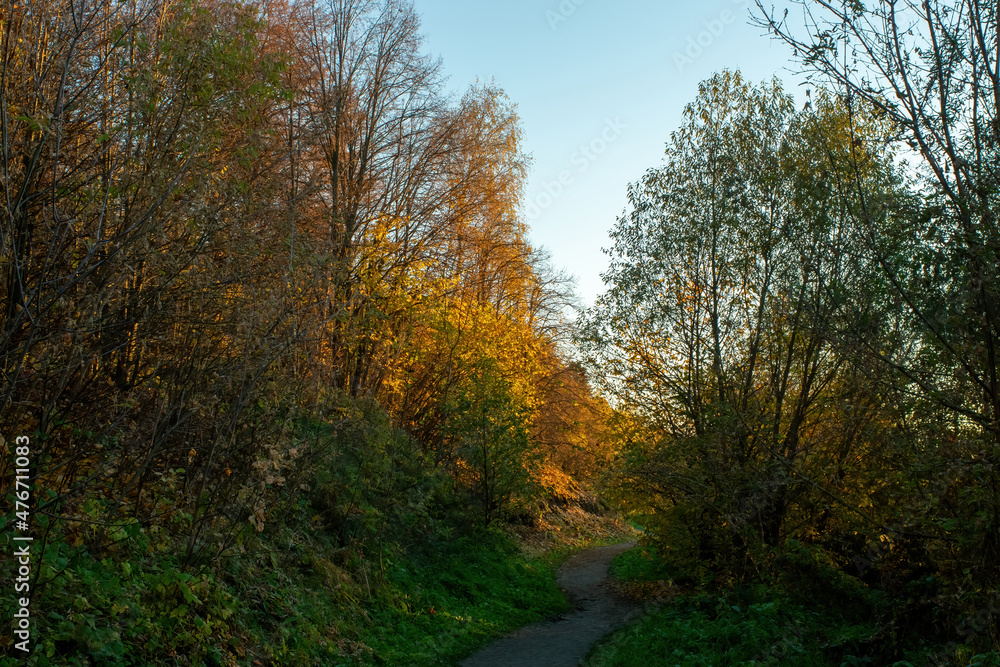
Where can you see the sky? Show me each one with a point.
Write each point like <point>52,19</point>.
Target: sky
<point>599,86</point>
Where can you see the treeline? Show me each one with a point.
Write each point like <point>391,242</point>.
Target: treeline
<point>224,224</point>
<point>801,327</point>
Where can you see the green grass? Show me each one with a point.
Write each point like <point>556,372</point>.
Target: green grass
<point>452,599</point>
<point>377,561</point>
<point>750,626</point>
<point>759,625</point>
<point>638,564</point>
<point>294,600</point>
<point>710,630</point>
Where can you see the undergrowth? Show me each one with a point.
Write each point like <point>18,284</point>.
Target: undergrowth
<point>369,556</point>
<point>293,601</point>
<point>776,624</point>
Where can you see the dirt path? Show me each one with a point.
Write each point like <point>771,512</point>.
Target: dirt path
<point>565,640</point>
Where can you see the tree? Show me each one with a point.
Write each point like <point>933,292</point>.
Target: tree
<point>720,327</point>
<point>217,219</point>
<point>489,426</point>
<point>932,69</point>
<point>133,136</point>
<point>571,423</point>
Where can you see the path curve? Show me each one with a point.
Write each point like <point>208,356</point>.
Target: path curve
<point>565,640</point>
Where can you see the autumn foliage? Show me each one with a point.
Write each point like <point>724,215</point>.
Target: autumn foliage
<point>226,224</point>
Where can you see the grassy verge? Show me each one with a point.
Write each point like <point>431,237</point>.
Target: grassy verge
<point>451,599</point>
<point>711,630</point>
<point>454,597</point>
<point>753,626</point>
<point>295,594</point>
<point>289,605</point>
<point>371,556</point>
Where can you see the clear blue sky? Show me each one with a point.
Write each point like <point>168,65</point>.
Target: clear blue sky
<point>599,86</point>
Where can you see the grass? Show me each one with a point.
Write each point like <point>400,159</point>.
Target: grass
<point>295,599</point>
<point>710,630</point>
<point>378,562</point>
<point>453,598</point>
<point>751,626</point>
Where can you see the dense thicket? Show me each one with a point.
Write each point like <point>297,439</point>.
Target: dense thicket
<point>799,350</point>
<point>732,286</point>
<point>224,223</point>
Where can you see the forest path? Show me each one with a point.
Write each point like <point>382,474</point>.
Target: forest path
<point>566,640</point>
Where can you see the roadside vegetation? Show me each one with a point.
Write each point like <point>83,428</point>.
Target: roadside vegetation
<point>376,560</point>
<point>283,380</point>
<point>281,363</point>
<point>800,334</point>
<point>813,614</point>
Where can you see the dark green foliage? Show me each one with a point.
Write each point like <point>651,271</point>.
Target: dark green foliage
<point>372,559</point>
<point>812,613</point>
<point>489,426</point>
<point>451,597</point>
<point>765,627</point>
<point>372,479</point>
<point>127,612</point>
<point>810,577</point>
<point>755,629</point>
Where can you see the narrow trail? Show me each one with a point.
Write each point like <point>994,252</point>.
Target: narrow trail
<point>566,640</point>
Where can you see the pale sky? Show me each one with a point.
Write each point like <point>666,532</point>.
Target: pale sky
<point>599,86</point>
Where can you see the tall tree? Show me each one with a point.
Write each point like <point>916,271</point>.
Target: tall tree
<point>719,327</point>
<point>933,69</point>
